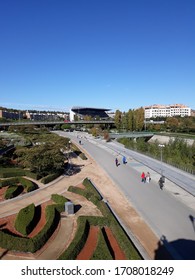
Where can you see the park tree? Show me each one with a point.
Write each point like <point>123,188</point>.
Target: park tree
<point>42,159</point>
<point>139,118</point>
<point>130,120</point>
<point>118,119</point>
<point>124,121</point>
<point>172,123</point>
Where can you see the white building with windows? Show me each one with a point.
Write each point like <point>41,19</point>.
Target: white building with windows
<point>165,111</point>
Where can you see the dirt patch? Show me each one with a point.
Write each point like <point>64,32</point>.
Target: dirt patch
<point>117,251</point>
<point>90,245</point>
<point>2,193</point>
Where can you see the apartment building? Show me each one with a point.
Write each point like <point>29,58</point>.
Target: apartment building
<point>10,115</point>
<point>155,111</point>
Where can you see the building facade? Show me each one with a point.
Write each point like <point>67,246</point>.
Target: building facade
<point>165,111</point>
<point>10,115</point>
<point>81,112</point>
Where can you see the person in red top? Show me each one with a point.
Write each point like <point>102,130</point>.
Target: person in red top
<point>143,176</point>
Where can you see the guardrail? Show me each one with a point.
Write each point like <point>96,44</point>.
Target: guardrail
<point>54,122</point>
<point>131,135</point>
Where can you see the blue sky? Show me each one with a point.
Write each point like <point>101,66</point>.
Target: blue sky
<point>118,54</point>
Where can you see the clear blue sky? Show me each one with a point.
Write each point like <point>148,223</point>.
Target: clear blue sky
<point>118,54</point>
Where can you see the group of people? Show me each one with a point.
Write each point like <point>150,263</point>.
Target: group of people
<point>145,177</point>
<point>117,161</point>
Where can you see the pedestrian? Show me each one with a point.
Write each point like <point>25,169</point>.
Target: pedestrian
<point>148,178</point>
<point>143,177</point>
<point>116,161</point>
<point>124,160</point>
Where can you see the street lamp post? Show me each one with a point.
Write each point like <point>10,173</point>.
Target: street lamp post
<point>161,148</point>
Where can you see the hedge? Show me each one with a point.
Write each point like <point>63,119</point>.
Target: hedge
<point>102,251</point>
<point>50,177</point>
<point>24,244</point>
<point>11,172</point>
<point>91,194</point>
<point>24,220</point>
<point>12,191</point>
<point>27,184</point>
<point>14,172</point>
<point>78,242</point>
<point>60,201</point>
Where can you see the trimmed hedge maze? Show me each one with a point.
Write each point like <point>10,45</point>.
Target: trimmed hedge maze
<point>25,223</point>
<point>11,241</point>
<point>83,225</point>
<point>16,186</point>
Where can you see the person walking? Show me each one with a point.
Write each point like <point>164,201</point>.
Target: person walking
<point>148,178</point>
<point>124,160</point>
<point>116,162</point>
<point>143,177</point>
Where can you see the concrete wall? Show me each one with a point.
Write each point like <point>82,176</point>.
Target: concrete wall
<point>165,139</point>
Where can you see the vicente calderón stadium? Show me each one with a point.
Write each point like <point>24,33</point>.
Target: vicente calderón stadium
<point>81,112</point>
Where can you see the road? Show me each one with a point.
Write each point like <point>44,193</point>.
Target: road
<point>171,220</point>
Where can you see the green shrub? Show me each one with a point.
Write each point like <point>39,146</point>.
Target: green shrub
<point>12,242</point>
<point>32,175</point>
<point>27,184</point>
<point>12,191</point>
<point>11,172</point>
<point>79,240</point>
<point>49,178</point>
<point>7,182</point>
<point>52,220</point>
<point>60,199</point>
<point>90,187</point>
<point>23,244</point>
<point>24,219</point>
<point>125,243</point>
<point>102,251</point>
<point>89,192</point>
<point>83,156</point>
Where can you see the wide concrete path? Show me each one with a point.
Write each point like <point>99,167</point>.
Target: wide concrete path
<point>169,212</point>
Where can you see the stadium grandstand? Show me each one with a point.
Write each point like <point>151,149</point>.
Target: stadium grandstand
<point>94,113</point>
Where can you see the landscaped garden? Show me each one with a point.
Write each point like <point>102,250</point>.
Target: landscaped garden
<point>33,227</point>
<point>96,237</point>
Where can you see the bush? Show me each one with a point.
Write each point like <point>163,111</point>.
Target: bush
<point>102,251</point>
<point>79,240</point>
<point>27,184</point>
<point>11,172</point>
<point>12,242</point>
<point>52,220</point>
<point>13,191</point>
<point>83,156</point>
<point>60,199</point>
<point>49,178</point>
<point>7,182</point>
<point>24,219</point>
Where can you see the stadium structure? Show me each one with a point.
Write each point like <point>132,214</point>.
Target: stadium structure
<point>95,113</point>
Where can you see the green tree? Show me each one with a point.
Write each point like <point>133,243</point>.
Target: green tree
<point>118,119</point>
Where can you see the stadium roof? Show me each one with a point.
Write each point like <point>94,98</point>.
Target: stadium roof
<point>89,108</point>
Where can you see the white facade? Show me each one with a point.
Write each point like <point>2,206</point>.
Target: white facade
<point>71,116</point>
<point>155,111</point>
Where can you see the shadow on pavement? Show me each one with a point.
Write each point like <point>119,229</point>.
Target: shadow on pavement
<point>180,249</point>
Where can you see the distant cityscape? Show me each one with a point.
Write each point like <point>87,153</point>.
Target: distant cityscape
<point>150,112</point>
